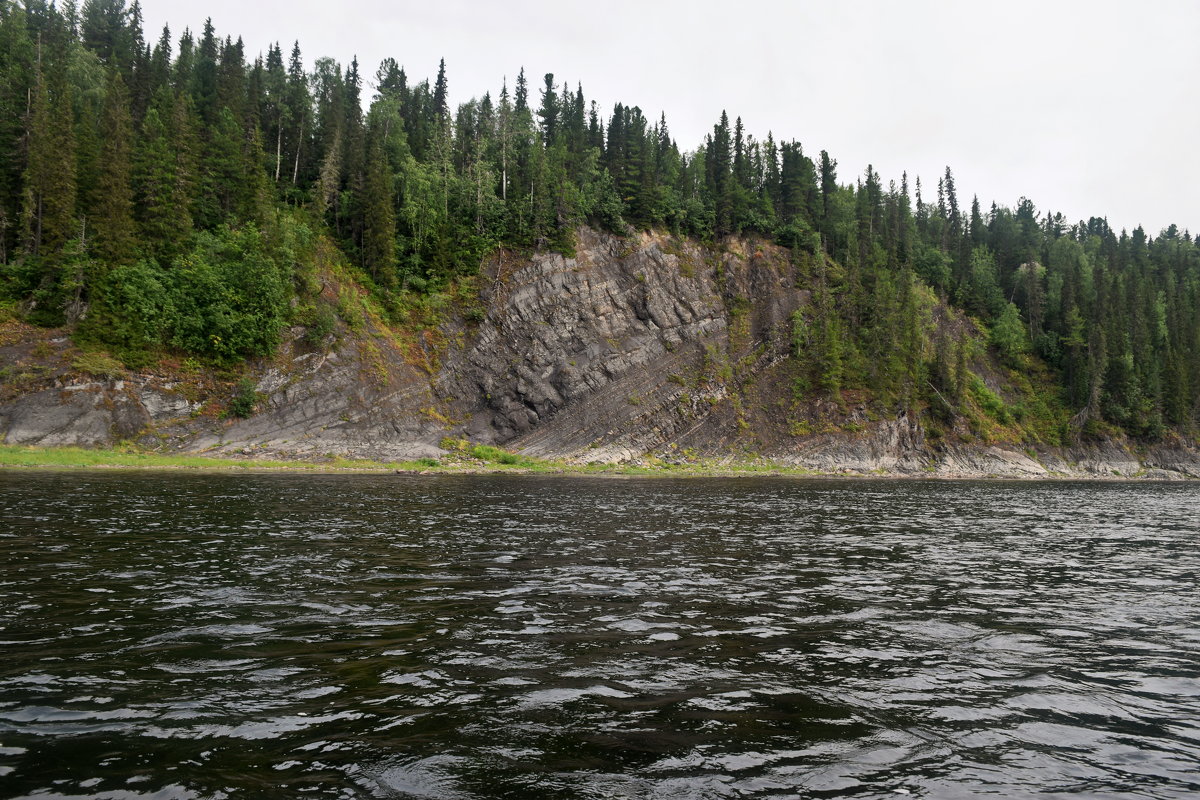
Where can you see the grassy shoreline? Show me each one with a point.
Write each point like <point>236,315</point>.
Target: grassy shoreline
<point>67,458</point>
<point>479,460</point>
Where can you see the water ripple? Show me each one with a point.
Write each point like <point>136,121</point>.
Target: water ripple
<point>186,636</point>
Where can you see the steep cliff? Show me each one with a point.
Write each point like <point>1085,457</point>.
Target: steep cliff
<point>634,349</point>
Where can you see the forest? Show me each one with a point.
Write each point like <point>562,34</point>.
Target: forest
<point>159,194</point>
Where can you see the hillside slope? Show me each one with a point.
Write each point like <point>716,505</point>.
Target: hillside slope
<point>642,349</point>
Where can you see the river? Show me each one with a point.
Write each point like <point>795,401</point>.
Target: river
<point>175,635</point>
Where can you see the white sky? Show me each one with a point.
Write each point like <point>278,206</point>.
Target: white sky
<point>1088,107</point>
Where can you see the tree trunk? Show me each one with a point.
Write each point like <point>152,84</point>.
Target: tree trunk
<point>299,141</point>
<point>37,242</point>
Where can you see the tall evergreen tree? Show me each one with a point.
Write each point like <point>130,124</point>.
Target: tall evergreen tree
<point>440,88</point>
<point>203,76</point>
<point>49,198</point>
<point>548,113</point>
<point>17,68</point>
<point>161,191</point>
<point>222,186</point>
<point>112,201</point>
<point>299,110</point>
<point>379,224</point>
<point>718,159</point>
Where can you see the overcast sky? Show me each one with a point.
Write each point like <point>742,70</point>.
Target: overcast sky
<point>1088,107</point>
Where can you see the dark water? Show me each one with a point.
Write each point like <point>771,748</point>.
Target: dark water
<point>193,636</point>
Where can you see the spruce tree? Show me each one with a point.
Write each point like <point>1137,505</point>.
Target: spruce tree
<point>254,199</point>
<point>548,113</point>
<point>230,90</point>
<point>138,76</point>
<point>203,77</point>
<point>829,188</point>
<point>298,111</point>
<point>379,225</point>
<point>158,69</point>
<point>521,98</point>
<point>185,63</point>
<point>222,177</point>
<point>50,189</point>
<point>102,30</point>
<point>718,159</point>
<point>440,88</point>
<point>273,111</point>
<point>16,79</point>
<point>112,201</point>
<point>161,198</point>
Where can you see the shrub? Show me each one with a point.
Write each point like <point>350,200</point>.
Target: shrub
<point>100,365</point>
<point>229,297</point>
<point>323,323</point>
<point>131,312</point>
<point>245,399</point>
<point>992,404</point>
<point>495,455</point>
<point>1008,336</point>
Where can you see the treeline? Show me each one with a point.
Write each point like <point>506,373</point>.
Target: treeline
<point>160,194</point>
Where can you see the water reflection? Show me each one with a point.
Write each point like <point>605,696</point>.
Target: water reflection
<point>346,636</point>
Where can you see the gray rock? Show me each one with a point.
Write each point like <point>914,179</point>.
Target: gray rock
<point>632,348</point>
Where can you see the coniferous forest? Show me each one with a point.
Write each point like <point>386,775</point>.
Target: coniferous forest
<point>158,192</point>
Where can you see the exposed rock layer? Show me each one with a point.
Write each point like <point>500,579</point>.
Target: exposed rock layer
<point>630,349</point>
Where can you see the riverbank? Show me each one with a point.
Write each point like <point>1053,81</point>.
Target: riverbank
<point>646,357</point>
<point>491,461</point>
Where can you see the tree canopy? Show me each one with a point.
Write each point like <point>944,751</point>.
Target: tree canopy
<point>143,182</point>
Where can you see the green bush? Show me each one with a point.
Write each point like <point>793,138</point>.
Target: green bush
<point>1008,336</point>
<point>225,299</point>
<point>245,399</point>
<point>132,310</point>
<point>485,452</point>
<point>323,323</point>
<point>991,403</point>
<point>229,296</point>
<point>100,365</point>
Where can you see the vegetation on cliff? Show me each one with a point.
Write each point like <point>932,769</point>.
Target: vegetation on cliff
<point>174,196</point>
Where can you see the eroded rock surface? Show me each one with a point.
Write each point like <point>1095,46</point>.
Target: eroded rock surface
<point>632,348</point>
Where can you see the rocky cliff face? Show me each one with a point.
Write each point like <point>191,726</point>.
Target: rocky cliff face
<point>623,350</point>
<point>650,347</point>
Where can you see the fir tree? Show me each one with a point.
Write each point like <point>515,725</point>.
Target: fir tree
<point>298,110</point>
